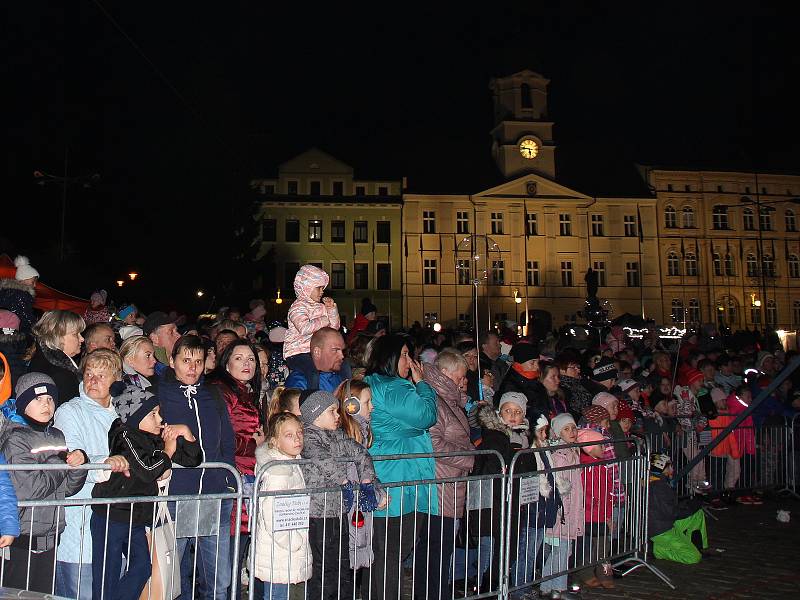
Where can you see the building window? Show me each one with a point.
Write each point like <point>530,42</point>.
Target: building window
<point>755,315</point>
<point>428,221</point>
<point>719,189</point>
<point>565,224</point>
<point>673,264</point>
<point>533,273</point>
<point>719,217</point>
<point>630,225</point>
<point>566,273</point>
<point>669,187</point>
<point>384,232</point>
<point>498,272</point>
<point>360,232</point>
<point>687,188</point>
<point>525,96</point>
<point>632,274</point>
<point>268,189</point>
<point>384,276</point>
<point>677,310</point>
<point>748,222</point>
<point>462,222</point>
<point>691,265</point>
<point>290,269</point>
<point>291,188</point>
<point>361,190</point>
<point>733,316</point>
<point>769,265</point>
<point>694,311</point>
<point>431,317</point>
<point>532,224</point>
<point>361,276</point>
<point>796,312</point>
<point>315,188</point>
<point>688,217</point>
<point>463,270</point>
<point>772,313</point>
<point>337,231</point>
<point>292,230</point>
<point>269,230</point>
<point>794,266</point>
<point>338,188</point>
<point>338,277</point>
<point>497,223</point>
<point>730,270</point>
<point>599,267</point>
<point>315,230</point>
<point>464,320</point>
<point>383,191</point>
<point>717,260</point>
<point>597,225</point>
<point>766,219</point>
<point>791,224</point>
<point>430,271</point>
<point>752,266</point>
<point>670,217</point>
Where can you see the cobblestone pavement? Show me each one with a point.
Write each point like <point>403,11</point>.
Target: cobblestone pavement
<point>760,561</point>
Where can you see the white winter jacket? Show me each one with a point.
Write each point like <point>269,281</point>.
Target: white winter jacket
<point>283,556</point>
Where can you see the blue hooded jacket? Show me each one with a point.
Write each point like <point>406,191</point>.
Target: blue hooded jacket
<point>203,410</point>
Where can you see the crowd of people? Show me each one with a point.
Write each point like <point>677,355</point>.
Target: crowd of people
<point>141,393</point>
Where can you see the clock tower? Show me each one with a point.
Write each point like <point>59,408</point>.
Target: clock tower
<point>522,138</point>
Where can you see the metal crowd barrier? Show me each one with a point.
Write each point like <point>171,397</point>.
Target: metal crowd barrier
<point>497,548</point>
<point>187,521</point>
<point>767,460</point>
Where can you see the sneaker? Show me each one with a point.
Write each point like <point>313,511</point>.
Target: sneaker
<point>717,504</point>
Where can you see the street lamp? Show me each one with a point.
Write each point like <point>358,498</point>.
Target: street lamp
<point>278,299</point>
<point>200,293</point>
<point>86,181</point>
<point>133,275</point>
<point>120,282</point>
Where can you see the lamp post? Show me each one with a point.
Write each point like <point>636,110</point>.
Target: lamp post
<point>43,178</point>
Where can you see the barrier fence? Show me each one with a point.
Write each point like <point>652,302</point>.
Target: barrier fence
<point>496,534</point>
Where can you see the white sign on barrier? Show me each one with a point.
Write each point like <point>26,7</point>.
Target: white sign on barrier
<point>529,489</point>
<point>290,512</point>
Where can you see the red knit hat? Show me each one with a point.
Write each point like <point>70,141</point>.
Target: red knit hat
<point>595,413</point>
<point>693,375</point>
<point>625,411</point>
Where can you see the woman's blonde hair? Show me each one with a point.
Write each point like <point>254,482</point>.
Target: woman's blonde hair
<point>349,425</point>
<point>54,325</point>
<point>132,344</point>
<point>284,400</point>
<point>276,422</point>
<point>103,358</point>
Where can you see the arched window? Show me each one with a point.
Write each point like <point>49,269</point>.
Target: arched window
<point>717,264</point>
<point>719,217</point>
<point>673,264</point>
<point>765,219</point>
<point>794,266</point>
<point>768,266</point>
<point>691,265</point>
<point>677,310</point>
<point>791,224</point>
<point>748,222</point>
<point>694,310</point>
<point>752,266</point>
<point>730,268</point>
<point>688,217</point>
<point>772,313</point>
<point>525,95</point>
<point>670,217</point>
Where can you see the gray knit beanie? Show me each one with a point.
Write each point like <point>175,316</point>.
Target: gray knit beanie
<point>133,404</point>
<point>31,385</point>
<point>313,403</point>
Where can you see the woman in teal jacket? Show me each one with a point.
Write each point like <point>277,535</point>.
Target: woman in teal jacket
<point>402,414</point>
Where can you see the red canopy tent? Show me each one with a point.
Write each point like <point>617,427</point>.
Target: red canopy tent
<point>47,298</point>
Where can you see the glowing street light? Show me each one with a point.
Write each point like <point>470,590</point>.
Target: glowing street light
<point>437,327</point>
<point>133,275</point>
<point>120,282</point>
<point>517,297</point>
<point>278,299</point>
<point>200,293</point>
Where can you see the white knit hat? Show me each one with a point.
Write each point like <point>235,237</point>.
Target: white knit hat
<point>517,398</point>
<point>24,269</point>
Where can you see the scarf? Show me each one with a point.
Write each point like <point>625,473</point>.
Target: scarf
<point>526,374</point>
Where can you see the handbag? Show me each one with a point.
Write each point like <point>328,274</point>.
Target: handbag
<point>165,580</point>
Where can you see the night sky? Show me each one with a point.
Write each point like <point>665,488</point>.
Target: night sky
<point>176,105</point>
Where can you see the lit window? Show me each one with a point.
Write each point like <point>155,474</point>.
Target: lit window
<point>315,230</point>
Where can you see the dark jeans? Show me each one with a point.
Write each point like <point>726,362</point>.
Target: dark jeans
<point>210,567</point>
<point>393,539</point>
<point>42,568</point>
<point>107,551</point>
<point>330,550</point>
<point>440,548</point>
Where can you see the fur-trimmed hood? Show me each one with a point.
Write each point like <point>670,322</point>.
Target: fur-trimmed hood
<point>490,419</point>
<point>13,284</point>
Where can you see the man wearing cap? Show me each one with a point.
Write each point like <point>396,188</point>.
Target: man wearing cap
<point>330,368</point>
<point>17,294</point>
<point>603,376</point>
<point>490,352</point>
<point>523,376</point>
<point>163,332</point>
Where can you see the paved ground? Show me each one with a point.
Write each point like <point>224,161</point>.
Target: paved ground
<point>761,561</point>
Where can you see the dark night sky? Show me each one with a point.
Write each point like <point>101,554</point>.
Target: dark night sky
<point>391,94</point>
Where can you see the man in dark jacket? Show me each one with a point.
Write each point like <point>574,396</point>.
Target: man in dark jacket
<point>329,365</point>
<point>490,351</point>
<point>186,398</point>
<point>523,377</point>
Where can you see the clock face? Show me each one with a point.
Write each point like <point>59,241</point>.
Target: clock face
<point>529,149</point>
